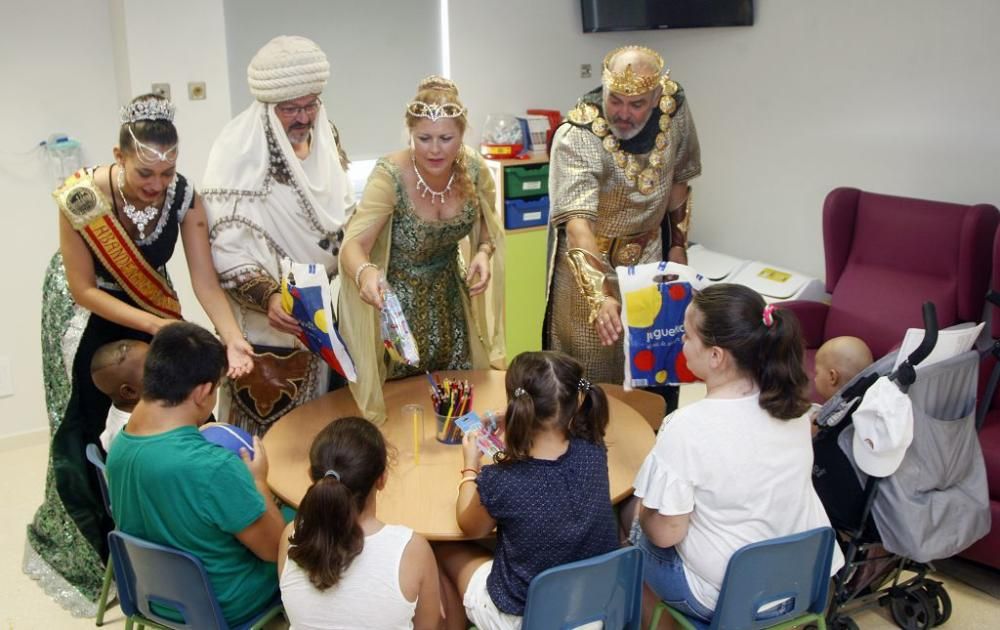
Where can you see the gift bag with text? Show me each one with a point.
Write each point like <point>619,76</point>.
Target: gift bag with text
<point>654,297</point>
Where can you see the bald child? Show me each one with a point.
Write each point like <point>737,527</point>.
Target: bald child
<point>838,361</point>
<point>117,371</point>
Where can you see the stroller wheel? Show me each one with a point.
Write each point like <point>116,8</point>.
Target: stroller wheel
<point>939,600</point>
<point>912,610</point>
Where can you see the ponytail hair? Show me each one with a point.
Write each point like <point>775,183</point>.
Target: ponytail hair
<point>346,460</point>
<point>549,387</point>
<point>767,346</point>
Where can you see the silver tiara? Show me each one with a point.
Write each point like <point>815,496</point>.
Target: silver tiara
<point>148,109</point>
<point>435,111</point>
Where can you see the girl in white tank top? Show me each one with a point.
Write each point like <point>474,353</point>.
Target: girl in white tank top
<point>341,568</point>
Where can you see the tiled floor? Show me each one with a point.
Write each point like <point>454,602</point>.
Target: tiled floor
<point>24,606</point>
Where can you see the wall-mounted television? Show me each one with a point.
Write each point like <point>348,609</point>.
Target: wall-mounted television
<point>638,15</point>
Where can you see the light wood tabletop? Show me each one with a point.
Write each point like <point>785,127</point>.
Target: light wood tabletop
<point>422,496</point>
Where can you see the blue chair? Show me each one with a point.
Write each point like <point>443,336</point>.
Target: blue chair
<point>605,588</point>
<point>795,567</point>
<point>150,573</point>
<point>95,458</point>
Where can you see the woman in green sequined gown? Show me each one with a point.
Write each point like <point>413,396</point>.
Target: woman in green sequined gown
<point>418,207</point>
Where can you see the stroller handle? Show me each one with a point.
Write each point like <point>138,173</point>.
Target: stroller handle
<point>906,374</point>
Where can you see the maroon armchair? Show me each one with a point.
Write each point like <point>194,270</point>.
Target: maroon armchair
<point>886,256</point>
<point>987,549</point>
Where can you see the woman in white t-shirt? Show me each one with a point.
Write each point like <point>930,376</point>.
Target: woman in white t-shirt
<point>339,567</point>
<point>735,467</point>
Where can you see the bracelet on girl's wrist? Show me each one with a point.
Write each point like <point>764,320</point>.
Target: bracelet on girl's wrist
<point>465,480</point>
<point>474,471</point>
<point>360,270</point>
<point>490,248</point>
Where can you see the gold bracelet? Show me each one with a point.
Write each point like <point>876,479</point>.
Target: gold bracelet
<point>490,248</point>
<point>464,479</point>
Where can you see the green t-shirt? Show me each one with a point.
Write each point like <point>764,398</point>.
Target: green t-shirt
<point>177,489</point>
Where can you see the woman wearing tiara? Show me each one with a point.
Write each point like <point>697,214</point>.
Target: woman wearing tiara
<point>118,225</point>
<point>419,204</point>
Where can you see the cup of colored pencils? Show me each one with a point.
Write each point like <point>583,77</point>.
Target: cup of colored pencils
<point>451,398</point>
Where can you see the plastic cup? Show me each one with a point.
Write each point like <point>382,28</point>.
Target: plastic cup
<point>413,419</point>
<point>447,431</point>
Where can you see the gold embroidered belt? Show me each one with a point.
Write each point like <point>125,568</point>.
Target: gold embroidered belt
<point>625,251</point>
<point>89,212</point>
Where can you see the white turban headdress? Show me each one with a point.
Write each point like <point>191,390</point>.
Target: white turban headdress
<point>286,68</point>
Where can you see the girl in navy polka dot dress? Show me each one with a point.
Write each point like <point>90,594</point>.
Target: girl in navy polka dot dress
<point>547,494</point>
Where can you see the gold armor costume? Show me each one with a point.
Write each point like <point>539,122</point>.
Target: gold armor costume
<point>623,188</point>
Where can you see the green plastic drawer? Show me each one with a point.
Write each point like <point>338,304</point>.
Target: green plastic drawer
<point>526,181</point>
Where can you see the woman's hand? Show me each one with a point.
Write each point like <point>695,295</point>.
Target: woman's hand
<point>240,356</point>
<point>279,319</point>
<point>370,287</point>
<point>608,323</point>
<point>478,277</point>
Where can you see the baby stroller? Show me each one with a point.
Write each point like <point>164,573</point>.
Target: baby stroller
<point>931,505</point>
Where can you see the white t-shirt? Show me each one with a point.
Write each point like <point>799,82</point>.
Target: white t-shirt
<point>367,595</point>
<point>744,477</point>
<point>117,419</point>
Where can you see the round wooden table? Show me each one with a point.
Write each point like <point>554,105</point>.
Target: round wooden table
<point>422,496</point>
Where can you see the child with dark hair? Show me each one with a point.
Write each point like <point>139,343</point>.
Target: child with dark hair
<point>171,486</point>
<point>116,370</point>
<point>547,494</point>
<point>733,468</point>
<point>339,566</point>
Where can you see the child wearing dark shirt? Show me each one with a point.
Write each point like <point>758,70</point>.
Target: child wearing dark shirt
<point>547,495</point>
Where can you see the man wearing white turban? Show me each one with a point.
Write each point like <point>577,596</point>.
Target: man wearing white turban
<point>276,186</point>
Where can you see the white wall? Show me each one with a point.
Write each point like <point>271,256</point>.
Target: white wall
<point>896,96</point>
<point>60,77</point>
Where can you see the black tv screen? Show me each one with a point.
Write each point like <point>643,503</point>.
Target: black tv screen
<point>637,15</point>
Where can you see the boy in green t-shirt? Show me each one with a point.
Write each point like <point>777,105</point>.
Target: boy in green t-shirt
<point>170,486</point>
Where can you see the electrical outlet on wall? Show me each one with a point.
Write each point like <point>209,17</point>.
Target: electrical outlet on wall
<point>196,90</point>
<point>6,380</point>
<point>584,70</point>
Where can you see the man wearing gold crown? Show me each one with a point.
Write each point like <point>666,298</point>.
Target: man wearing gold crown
<point>276,187</point>
<point>618,177</point>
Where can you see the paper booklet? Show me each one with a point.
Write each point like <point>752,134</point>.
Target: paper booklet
<point>951,342</point>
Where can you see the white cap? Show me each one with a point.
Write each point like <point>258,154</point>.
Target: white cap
<point>883,429</point>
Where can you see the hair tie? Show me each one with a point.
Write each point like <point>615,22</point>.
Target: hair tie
<point>332,473</point>
<point>583,385</point>
<point>519,391</point>
<point>768,317</point>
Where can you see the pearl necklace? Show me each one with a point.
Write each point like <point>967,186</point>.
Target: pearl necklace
<point>423,188</point>
<point>140,218</point>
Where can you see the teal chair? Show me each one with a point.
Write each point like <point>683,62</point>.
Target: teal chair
<point>605,588</point>
<point>94,456</point>
<point>148,573</point>
<point>795,568</point>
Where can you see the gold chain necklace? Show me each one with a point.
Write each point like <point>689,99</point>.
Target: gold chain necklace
<point>645,179</point>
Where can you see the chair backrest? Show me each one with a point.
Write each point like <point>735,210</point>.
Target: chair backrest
<point>650,406</point>
<point>887,255</point>
<point>94,456</point>
<point>605,588</point>
<point>148,573</point>
<point>796,567</point>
